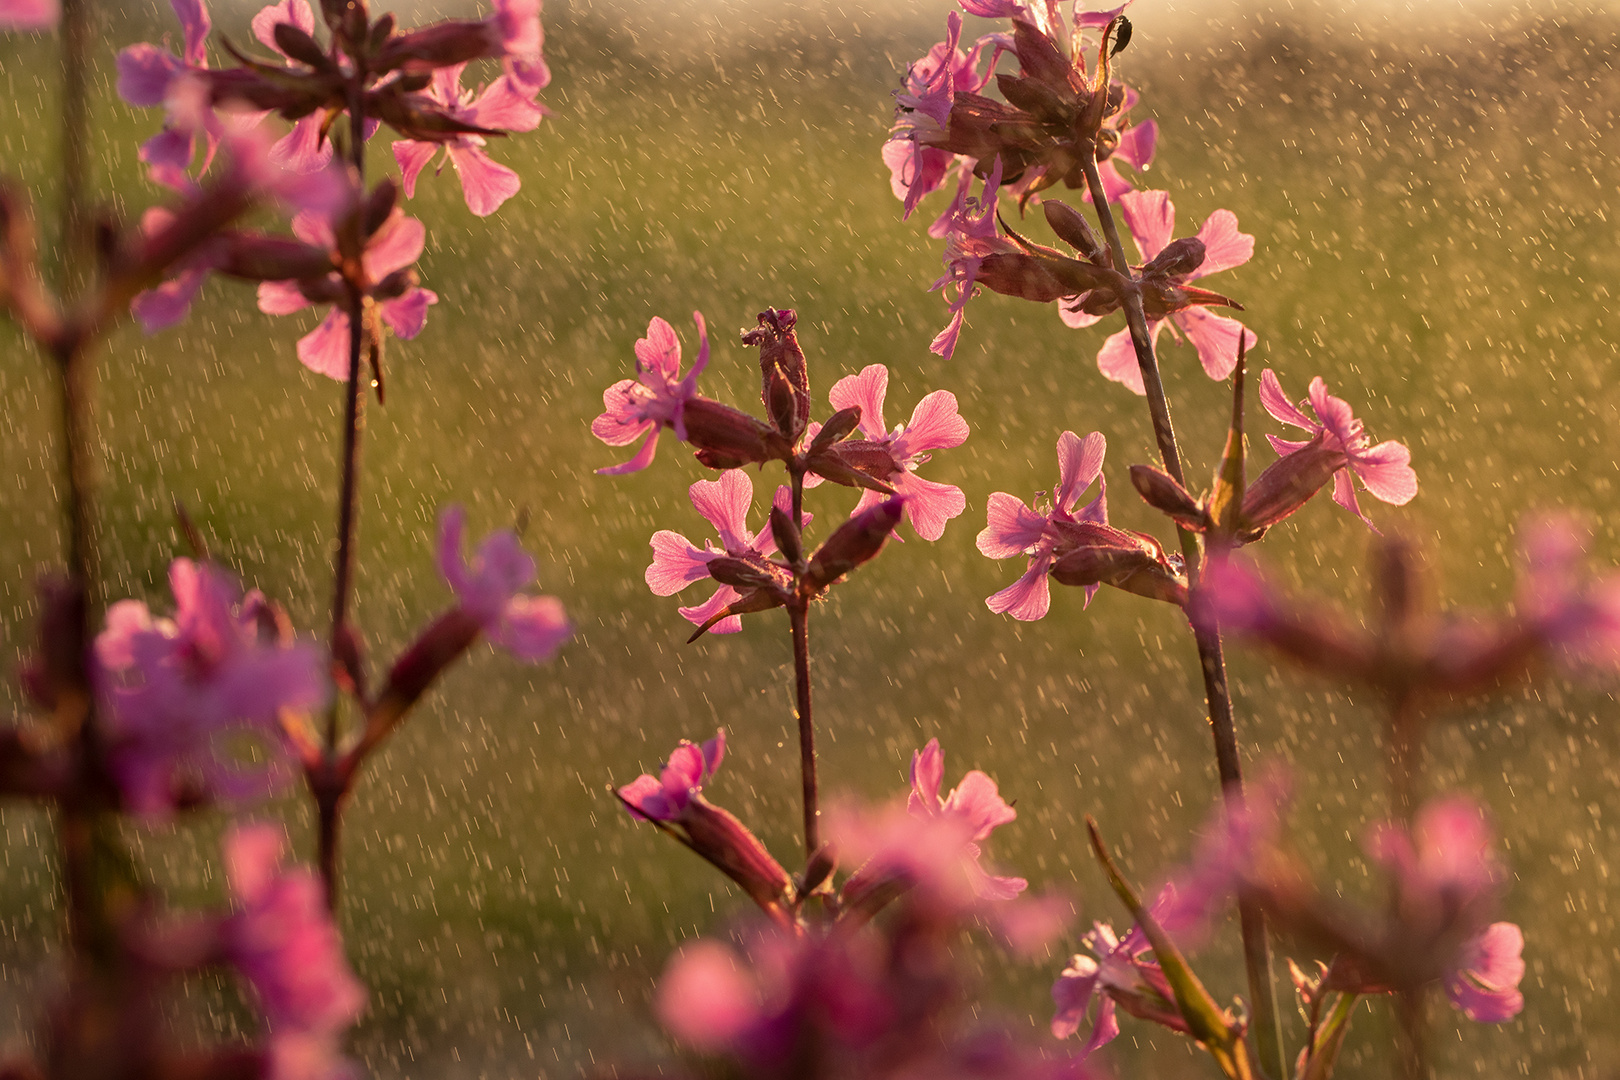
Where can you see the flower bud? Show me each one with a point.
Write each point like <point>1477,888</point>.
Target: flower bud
<point>852,464</point>
<point>1160,491</point>
<point>838,427</point>
<point>727,438</point>
<point>1024,276</point>
<point>1074,230</point>
<point>1178,257</point>
<point>781,357</point>
<point>300,46</point>
<point>1091,554</point>
<point>719,837</point>
<point>1289,482</point>
<point>785,531</point>
<point>856,541</point>
<point>747,573</point>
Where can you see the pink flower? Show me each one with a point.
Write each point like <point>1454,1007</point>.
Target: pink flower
<point>922,106</point>
<point>640,408</point>
<point>1571,610</point>
<point>529,627</point>
<point>29,14</point>
<point>1384,469</point>
<point>400,303</point>
<point>177,689</point>
<point>1485,983</point>
<point>935,425</point>
<point>283,942</point>
<point>1120,973</point>
<point>1151,218</point>
<point>675,799</point>
<point>677,562</point>
<point>970,236</point>
<point>975,803</point>
<point>1017,529</point>
<point>667,796</point>
<point>145,72</point>
<point>502,105</point>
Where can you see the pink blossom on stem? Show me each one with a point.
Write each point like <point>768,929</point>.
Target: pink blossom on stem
<point>975,803</point>
<point>935,425</point>
<point>503,105</point>
<point>29,14</point>
<point>1384,469</point>
<point>924,104</point>
<point>176,689</point>
<point>640,408</point>
<point>490,590</point>
<point>284,943</point>
<point>1151,218</point>
<point>1015,528</point>
<point>1119,973</point>
<point>1485,983</point>
<point>1571,610</point>
<point>970,236</point>
<point>677,562</point>
<point>400,303</point>
<point>666,797</point>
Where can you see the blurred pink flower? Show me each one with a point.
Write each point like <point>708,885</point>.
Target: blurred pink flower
<point>1151,218</point>
<point>176,689</point>
<point>529,627</point>
<point>283,941</point>
<point>640,408</point>
<point>975,803</point>
<point>665,797</point>
<point>502,105</point>
<point>935,425</point>
<point>1385,469</point>
<point>29,14</point>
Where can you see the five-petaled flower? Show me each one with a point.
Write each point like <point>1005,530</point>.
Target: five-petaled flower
<point>504,105</point>
<point>1385,469</point>
<point>656,398</point>
<point>893,456</point>
<point>1167,294</point>
<point>677,562</point>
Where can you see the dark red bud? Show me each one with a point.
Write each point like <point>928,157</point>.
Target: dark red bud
<point>273,258</point>
<point>1160,491</point>
<point>379,204</point>
<point>381,31</point>
<point>726,842</point>
<point>1178,257</point>
<point>855,542</point>
<point>781,358</point>
<point>1101,554</point>
<point>789,540</point>
<point>395,285</point>
<point>1038,57</point>
<point>1073,229</point>
<point>746,573</point>
<point>853,464</point>
<point>300,46</point>
<point>782,404</point>
<point>1028,277</point>
<point>818,870</point>
<point>727,438</point>
<point>838,426</point>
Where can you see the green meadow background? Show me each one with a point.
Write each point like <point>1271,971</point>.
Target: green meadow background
<point>1434,198</point>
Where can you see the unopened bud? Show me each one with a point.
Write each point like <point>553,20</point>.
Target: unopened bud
<point>782,405</point>
<point>1024,276</point>
<point>379,204</point>
<point>726,842</point>
<point>781,358</point>
<point>727,438</point>
<point>743,573</point>
<point>1288,483</point>
<point>1073,229</point>
<point>1177,258</point>
<point>1160,491</point>
<point>785,531</point>
<point>819,869</point>
<point>838,427</point>
<point>855,542</point>
<point>1103,555</point>
<point>298,45</point>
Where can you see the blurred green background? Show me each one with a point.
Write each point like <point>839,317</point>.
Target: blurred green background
<point>1433,196</point>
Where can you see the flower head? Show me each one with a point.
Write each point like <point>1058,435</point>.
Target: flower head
<point>29,14</point>
<point>893,456</point>
<point>1384,469</point>
<point>176,688</point>
<point>1167,273</point>
<point>490,590</point>
<point>504,105</point>
<point>656,398</point>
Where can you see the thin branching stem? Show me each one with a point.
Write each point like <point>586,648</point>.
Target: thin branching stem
<point>1207,637</point>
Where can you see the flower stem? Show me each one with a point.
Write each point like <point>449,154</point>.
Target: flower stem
<point>799,617</point>
<point>1207,636</point>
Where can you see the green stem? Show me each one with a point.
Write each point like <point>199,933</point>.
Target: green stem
<point>1207,637</point>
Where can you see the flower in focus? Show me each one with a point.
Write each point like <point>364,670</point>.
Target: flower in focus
<point>284,943</point>
<point>674,800</point>
<point>387,283</point>
<point>1384,469</point>
<point>923,108</point>
<point>893,456</point>
<point>177,688</point>
<point>1167,295</point>
<point>489,588</point>
<point>677,562</point>
<point>970,237</point>
<point>501,105</point>
<point>640,408</point>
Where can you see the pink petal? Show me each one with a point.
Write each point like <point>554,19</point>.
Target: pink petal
<point>161,307</point>
<point>1277,404</point>
<point>936,424</point>
<point>866,392</point>
<point>1335,413</point>
<point>1344,493</point>
<point>412,157</point>
<point>978,802</point>
<point>1224,246</point>
<point>660,350</point>
<point>704,999</point>
<point>252,858</point>
<point>1028,598</point>
<point>505,106</point>
<point>725,503</point>
<point>644,799</point>
<point>642,459</point>
<point>1117,360</point>
<point>452,561</point>
<point>485,183</point>
<point>1386,471</point>
<point>1137,144</point>
<point>1215,337</point>
<point>714,752</point>
<point>394,246</point>
<point>697,616</point>
<point>677,563</point>
<point>144,74</point>
<point>303,149</point>
<point>927,773</point>
<point>1485,985</point>
<point>532,627</point>
<point>195,24</point>
<point>1151,217</point>
<point>1012,530</point>
<point>929,505</point>
<point>281,298</point>
<point>1080,463</point>
<point>944,343</point>
<point>405,315</point>
<point>325,349</point>
<point>29,14</point>
<point>295,13</point>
